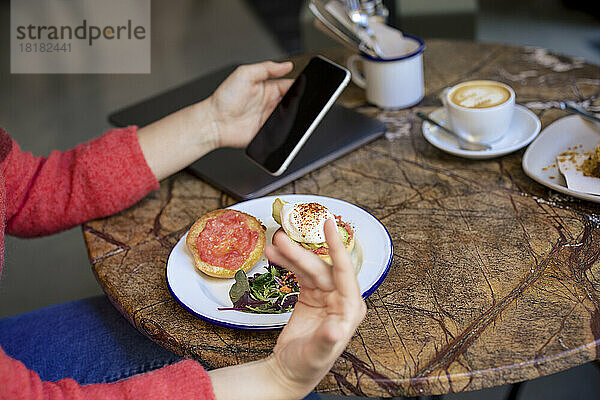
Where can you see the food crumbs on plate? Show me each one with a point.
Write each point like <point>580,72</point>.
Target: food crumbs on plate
<point>552,177</point>
<point>581,169</point>
<point>591,166</point>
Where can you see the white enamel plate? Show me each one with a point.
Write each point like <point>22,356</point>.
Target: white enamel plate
<point>203,295</point>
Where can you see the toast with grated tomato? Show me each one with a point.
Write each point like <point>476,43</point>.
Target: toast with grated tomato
<point>224,241</point>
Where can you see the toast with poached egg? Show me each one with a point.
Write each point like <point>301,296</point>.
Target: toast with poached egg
<point>304,223</point>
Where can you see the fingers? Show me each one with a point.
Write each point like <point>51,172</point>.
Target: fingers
<point>276,88</point>
<point>311,269</point>
<point>265,70</point>
<point>300,261</point>
<point>344,276</point>
<point>283,85</point>
<point>275,256</point>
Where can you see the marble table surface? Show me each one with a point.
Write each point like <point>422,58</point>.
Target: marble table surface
<point>495,278</point>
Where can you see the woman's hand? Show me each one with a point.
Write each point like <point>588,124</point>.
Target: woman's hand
<point>328,310</point>
<point>325,317</point>
<point>230,117</point>
<point>242,103</point>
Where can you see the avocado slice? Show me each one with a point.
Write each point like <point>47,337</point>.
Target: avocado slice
<point>343,234</point>
<point>277,206</point>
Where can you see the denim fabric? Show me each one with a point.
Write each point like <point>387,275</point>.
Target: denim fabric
<point>87,340</point>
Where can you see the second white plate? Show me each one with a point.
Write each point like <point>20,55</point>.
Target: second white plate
<point>539,161</point>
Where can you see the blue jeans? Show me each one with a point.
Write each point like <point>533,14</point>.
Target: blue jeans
<point>87,340</point>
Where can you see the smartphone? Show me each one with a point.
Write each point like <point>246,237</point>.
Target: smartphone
<point>297,115</point>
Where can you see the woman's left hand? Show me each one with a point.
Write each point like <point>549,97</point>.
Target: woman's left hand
<point>231,116</point>
<point>242,103</point>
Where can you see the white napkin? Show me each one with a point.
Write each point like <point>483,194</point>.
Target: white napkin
<point>391,41</point>
<point>570,166</point>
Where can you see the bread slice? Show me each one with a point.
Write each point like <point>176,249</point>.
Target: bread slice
<point>215,270</point>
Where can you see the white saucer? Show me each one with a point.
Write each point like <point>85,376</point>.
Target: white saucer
<point>523,128</point>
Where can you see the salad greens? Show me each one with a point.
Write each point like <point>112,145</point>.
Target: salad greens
<point>273,292</point>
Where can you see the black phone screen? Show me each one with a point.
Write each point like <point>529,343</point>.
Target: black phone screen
<point>293,116</point>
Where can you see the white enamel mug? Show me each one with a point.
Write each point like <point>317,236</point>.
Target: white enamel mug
<point>391,83</point>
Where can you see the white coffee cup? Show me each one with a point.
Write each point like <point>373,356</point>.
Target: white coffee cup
<point>479,111</point>
<point>391,83</point>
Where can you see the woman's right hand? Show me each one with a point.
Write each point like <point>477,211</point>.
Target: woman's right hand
<point>328,311</point>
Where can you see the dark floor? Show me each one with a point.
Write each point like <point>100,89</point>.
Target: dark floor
<point>45,112</point>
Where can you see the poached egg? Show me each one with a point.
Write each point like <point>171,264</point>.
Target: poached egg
<point>305,222</point>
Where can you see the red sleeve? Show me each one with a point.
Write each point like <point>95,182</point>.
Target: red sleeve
<point>95,179</point>
<point>184,380</point>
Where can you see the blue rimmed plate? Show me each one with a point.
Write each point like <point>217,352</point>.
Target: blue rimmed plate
<point>203,295</point>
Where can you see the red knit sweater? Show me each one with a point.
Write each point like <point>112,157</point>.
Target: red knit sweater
<point>43,195</point>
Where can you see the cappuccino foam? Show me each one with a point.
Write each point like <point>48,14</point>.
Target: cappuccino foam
<point>480,95</point>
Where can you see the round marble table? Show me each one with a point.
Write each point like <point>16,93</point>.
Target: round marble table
<point>495,279</point>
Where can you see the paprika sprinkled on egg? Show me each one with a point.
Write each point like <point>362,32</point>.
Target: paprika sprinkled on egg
<point>305,222</point>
